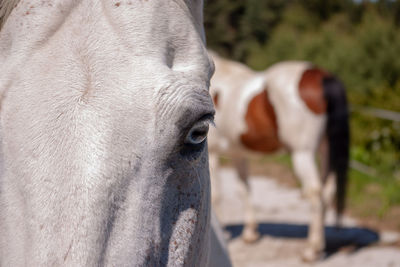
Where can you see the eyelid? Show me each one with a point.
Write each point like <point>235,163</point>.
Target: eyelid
<point>209,118</point>
<point>199,130</point>
<point>213,124</point>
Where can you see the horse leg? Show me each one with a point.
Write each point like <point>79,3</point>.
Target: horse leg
<point>306,169</point>
<point>250,233</point>
<point>328,177</point>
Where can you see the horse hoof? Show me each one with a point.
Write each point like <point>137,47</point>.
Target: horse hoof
<point>250,235</point>
<point>311,255</point>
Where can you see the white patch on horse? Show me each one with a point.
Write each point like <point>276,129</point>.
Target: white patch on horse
<point>250,89</point>
<point>291,111</point>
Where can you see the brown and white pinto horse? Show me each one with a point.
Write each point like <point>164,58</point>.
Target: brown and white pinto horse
<point>292,105</point>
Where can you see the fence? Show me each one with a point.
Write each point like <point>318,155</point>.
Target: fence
<point>377,113</point>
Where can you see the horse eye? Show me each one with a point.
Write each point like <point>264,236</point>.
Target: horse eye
<point>198,133</point>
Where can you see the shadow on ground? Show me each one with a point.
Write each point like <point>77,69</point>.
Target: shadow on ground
<point>336,237</point>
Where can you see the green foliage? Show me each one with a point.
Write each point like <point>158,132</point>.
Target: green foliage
<point>358,42</point>
<point>371,196</point>
<point>234,25</point>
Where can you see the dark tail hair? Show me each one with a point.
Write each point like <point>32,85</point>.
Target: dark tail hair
<point>338,133</point>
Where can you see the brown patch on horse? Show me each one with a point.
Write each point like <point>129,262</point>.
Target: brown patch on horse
<point>215,99</point>
<point>312,91</point>
<point>262,127</point>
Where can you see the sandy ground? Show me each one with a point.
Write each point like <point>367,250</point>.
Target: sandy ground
<point>283,217</point>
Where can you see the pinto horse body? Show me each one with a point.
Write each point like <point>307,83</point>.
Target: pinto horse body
<point>292,105</point>
<point>104,114</point>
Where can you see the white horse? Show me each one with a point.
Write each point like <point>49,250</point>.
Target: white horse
<point>104,115</point>
<point>292,105</point>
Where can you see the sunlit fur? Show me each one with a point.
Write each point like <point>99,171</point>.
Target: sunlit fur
<point>6,6</point>
<point>96,100</point>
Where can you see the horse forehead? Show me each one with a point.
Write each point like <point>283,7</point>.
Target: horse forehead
<point>146,32</point>
<point>35,21</point>
<point>130,40</point>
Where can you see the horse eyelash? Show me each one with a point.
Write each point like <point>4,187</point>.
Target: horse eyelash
<point>212,123</point>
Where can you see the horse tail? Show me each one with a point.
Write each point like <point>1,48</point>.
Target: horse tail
<point>338,133</point>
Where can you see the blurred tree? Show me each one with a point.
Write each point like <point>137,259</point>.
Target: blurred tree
<point>232,26</point>
<point>326,8</point>
<point>357,40</point>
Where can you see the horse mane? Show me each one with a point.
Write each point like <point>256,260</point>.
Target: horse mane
<point>6,6</point>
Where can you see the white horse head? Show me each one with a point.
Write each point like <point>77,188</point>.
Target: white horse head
<point>104,115</point>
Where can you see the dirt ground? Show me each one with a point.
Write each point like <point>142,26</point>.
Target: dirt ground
<point>283,216</point>
<point>285,176</point>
